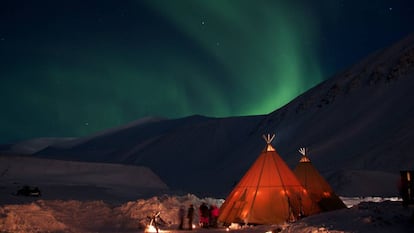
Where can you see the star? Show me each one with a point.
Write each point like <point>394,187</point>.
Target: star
<point>390,8</point>
<point>86,123</point>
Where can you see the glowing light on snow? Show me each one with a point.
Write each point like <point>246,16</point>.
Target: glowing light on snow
<point>151,229</point>
<point>234,226</point>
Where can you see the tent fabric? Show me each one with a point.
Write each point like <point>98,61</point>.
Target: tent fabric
<point>269,193</point>
<point>318,188</point>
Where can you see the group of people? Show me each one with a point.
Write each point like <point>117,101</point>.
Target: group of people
<point>207,216</point>
<point>190,216</point>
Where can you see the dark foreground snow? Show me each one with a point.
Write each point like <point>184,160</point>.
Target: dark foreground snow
<point>98,216</point>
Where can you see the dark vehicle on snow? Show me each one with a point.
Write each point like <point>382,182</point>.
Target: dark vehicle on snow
<point>29,191</point>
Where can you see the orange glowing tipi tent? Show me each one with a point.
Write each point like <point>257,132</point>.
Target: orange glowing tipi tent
<point>318,188</point>
<point>269,193</point>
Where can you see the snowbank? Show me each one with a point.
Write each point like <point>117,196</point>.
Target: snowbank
<point>366,217</point>
<point>94,216</point>
<point>98,216</point>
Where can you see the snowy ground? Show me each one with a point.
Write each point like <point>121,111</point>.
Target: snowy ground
<point>365,215</point>
<point>82,197</point>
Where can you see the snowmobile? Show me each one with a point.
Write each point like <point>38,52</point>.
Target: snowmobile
<point>29,191</point>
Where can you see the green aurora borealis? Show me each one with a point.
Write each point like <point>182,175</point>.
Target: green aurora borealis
<point>71,68</point>
<point>259,51</point>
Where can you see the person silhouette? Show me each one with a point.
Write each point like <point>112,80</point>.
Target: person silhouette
<point>190,216</point>
<point>181,214</point>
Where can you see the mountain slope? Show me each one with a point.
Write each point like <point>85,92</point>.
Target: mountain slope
<point>359,119</point>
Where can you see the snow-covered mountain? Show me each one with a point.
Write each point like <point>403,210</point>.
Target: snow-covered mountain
<point>357,125</point>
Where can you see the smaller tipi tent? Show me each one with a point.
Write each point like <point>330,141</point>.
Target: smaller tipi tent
<point>318,188</point>
<point>269,193</point>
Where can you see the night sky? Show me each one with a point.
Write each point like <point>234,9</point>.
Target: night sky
<point>72,68</point>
